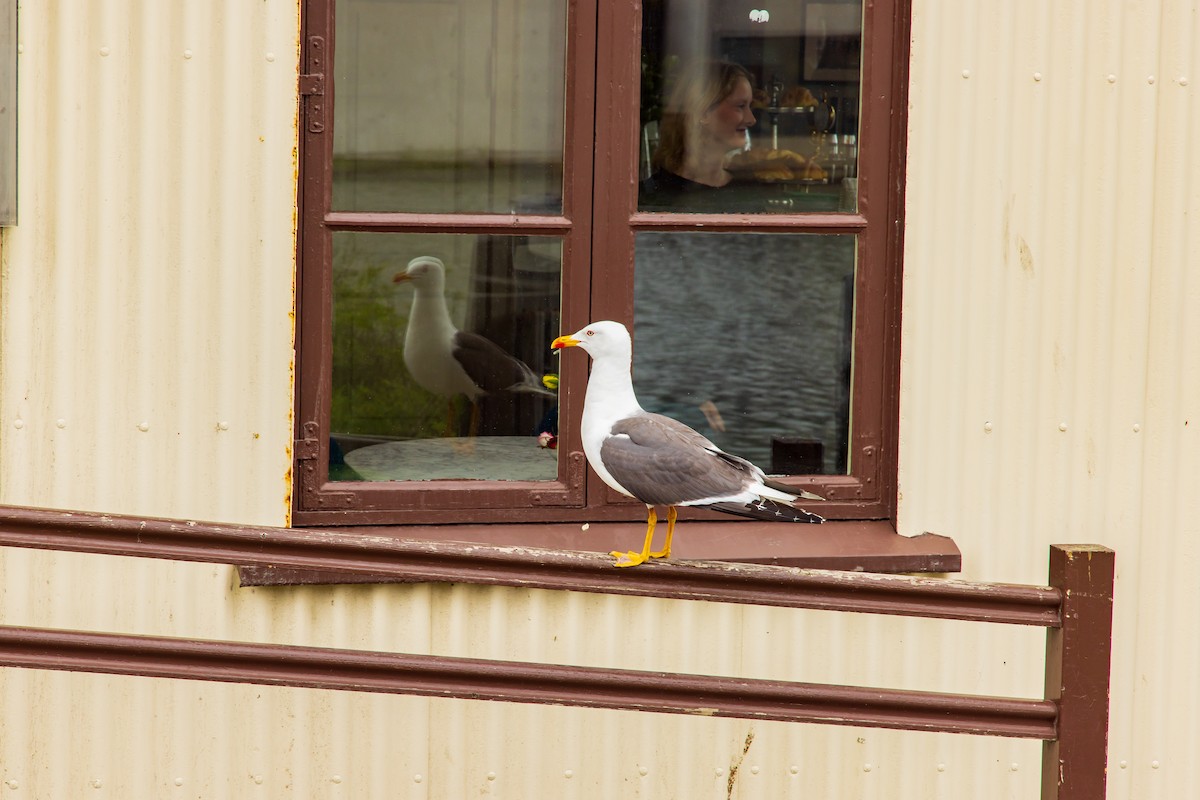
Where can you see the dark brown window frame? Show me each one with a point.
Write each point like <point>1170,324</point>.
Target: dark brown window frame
<point>602,211</point>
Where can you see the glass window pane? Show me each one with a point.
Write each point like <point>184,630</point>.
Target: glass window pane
<point>750,110</point>
<point>747,338</point>
<point>449,106</point>
<point>401,377</point>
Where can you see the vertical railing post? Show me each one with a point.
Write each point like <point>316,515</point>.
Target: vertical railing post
<point>1078,659</point>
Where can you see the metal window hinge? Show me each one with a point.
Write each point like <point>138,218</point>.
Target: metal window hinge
<point>306,449</point>
<point>312,84</point>
<point>307,452</point>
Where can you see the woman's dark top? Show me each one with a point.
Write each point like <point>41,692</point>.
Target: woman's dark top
<point>666,191</point>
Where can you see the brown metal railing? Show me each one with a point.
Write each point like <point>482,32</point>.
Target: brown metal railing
<point>1076,609</point>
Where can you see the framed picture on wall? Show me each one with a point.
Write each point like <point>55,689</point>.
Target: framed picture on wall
<point>832,41</point>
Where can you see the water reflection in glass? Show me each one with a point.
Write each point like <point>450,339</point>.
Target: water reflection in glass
<point>411,401</point>
<point>747,338</point>
<point>449,107</point>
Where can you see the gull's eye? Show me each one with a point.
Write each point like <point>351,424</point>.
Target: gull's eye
<point>591,333</point>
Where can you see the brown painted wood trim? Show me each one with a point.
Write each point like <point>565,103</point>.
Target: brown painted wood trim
<point>599,43</point>
<point>455,562</point>
<point>773,223</point>
<point>395,222</point>
<point>547,502</point>
<point>854,546</point>
<point>476,679</point>
<point>316,500</point>
<point>1078,669</point>
<point>1077,609</point>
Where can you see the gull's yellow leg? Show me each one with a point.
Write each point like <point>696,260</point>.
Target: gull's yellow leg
<point>666,551</point>
<point>473,428</point>
<point>466,446</point>
<point>630,558</point>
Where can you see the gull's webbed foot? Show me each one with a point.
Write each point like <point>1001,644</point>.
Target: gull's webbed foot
<point>629,558</point>
<point>632,558</point>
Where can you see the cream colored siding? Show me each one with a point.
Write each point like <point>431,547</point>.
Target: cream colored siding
<point>149,283</point>
<point>1051,387</point>
<point>1050,393</point>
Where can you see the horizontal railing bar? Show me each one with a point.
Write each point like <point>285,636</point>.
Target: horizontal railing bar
<point>457,562</point>
<point>478,679</point>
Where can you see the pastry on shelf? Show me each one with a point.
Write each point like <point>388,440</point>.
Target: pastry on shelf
<point>811,172</point>
<point>771,165</point>
<point>797,97</point>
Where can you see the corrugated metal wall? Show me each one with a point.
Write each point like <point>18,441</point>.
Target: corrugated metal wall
<point>1051,341</point>
<point>1050,393</point>
<point>146,336</point>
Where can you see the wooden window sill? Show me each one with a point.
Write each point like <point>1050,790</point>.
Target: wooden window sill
<point>861,546</point>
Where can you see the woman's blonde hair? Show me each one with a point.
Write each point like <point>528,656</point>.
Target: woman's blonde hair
<point>694,91</point>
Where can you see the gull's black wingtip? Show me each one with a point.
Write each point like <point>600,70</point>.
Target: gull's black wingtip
<point>769,510</point>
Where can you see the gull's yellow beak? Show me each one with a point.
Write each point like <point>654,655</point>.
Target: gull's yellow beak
<point>401,277</point>
<point>564,341</point>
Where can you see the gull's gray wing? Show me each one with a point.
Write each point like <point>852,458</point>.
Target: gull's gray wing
<point>492,369</point>
<point>663,462</point>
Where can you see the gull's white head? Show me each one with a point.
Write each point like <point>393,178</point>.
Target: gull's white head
<point>422,270</point>
<point>598,339</point>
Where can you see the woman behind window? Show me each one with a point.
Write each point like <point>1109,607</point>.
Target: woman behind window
<point>706,116</point>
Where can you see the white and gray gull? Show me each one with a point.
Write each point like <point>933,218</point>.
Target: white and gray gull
<point>448,361</point>
<point>659,460</point>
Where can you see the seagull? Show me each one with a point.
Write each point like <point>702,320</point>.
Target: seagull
<point>450,362</point>
<point>659,460</point>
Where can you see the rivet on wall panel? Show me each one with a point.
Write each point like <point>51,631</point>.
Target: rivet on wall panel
<point>187,53</point>
<point>966,73</point>
<point>1112,78</point>
<point>1013,766</point>
<point>1154,764</point>
<point>987,427</point>
<point>270,56</point>
<point>336,779</point>
<point>1062,426</point>
<point>941,767</point>
<point>143,426</point>
<point>718,772</point>
<point>20,49</point>
<point>867,767</point>
<point>60,422</point>
<point>644,772</point>
<point>794,769</point>
<point>754,769</point>
<point>179,781</point>
<point>1137,428</point>
<point>97,783</point>
<point>1037,76</point>
<point>18,423</point>
<point>104,51</point>
<point>1124,764</point>
<point>418,778</point>
<point>257,778</point>
<point>1183,81</point>
<point>12,784</point>
<point>222,426</point>
<point>568,774</point>
<point>491,776</point>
